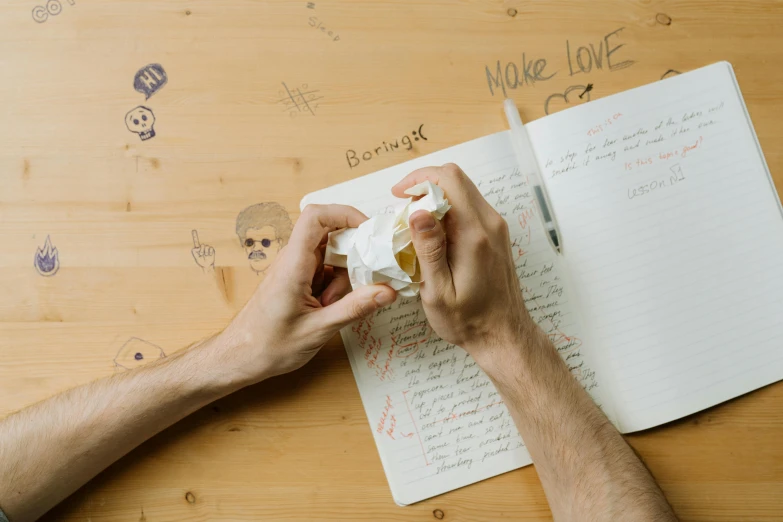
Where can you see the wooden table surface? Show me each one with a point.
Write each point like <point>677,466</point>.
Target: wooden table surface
<point>264,102</point>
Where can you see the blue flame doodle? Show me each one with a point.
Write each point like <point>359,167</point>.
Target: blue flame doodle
<point>47,259</point>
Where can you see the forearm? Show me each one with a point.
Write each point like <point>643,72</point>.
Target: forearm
<point>52,448</point>
<point>587,469</point>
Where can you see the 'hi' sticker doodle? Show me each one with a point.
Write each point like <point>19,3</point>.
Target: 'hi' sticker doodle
<point>150,79</point>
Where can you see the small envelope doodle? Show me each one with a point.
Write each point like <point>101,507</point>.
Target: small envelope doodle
<point>137,352</point>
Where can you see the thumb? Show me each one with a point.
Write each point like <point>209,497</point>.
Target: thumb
<point>357,304</point>
<point>429,241</point>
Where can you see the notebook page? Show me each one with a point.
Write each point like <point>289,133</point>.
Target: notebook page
<point>672,232</point>
<point>437,420</point>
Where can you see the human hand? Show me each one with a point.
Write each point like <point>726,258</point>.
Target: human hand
<point>301,303</point>
<point>470,289</point>
<point>204,255</point>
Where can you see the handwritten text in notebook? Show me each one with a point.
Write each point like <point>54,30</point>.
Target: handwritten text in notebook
<point>434,409</point>
<point>640,144</point>
<point>673,239</point>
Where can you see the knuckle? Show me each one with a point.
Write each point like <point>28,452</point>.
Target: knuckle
<point>428,294</point>
<point>433,250</point>
<point>357,310</point>
<point>460,303</point>
<point>433,293</point>
<point>499,225</point>
<point>431,299</point>
<point>310,210</point>
<point>482,239</point>
<point>452,170</point>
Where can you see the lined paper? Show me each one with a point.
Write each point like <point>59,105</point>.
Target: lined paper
<point>438,422</point>
<point>673,235</point>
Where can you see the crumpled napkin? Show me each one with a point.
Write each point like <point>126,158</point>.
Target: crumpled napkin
<point>380,250</point>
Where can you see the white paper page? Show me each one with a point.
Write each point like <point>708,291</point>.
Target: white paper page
<point>437,420</point>
<point>674,245</point>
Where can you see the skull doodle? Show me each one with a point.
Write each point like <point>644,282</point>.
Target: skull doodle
<point>140,120</point>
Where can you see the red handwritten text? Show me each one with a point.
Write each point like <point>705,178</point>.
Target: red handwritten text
<point>681,152</point>
<point>598,129</point>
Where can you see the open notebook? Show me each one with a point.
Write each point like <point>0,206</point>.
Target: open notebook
<point>667,299</point>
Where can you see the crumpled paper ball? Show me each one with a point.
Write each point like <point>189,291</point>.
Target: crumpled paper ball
<point>380,250</point>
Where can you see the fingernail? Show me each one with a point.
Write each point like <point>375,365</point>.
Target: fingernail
<point>423,222</point>
<point>383,298</point>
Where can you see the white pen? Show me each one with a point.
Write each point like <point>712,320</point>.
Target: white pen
<point>528,166</point>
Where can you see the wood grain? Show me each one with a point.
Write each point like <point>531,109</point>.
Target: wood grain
<point>121,210</point>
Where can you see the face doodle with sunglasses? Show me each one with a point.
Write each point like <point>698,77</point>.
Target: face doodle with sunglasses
<point>263,229</point>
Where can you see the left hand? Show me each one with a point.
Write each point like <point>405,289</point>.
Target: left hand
<point>301,303</point>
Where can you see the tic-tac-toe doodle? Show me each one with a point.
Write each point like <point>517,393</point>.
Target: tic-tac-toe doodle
<point>299,99</point>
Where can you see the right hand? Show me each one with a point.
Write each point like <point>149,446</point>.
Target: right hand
<point>470,290</point>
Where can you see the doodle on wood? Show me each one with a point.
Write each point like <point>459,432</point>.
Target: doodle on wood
<point>140,121</point>
<point>353,158</point>
<point>299,99</point>
<point>319,25</point>
<point>574,93</point>
<point>263,229</point>
<point>137,352</point>
<point>47,259</point>
<point>204,255</point>
<point>150,79</point>
<point>41,13</point>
